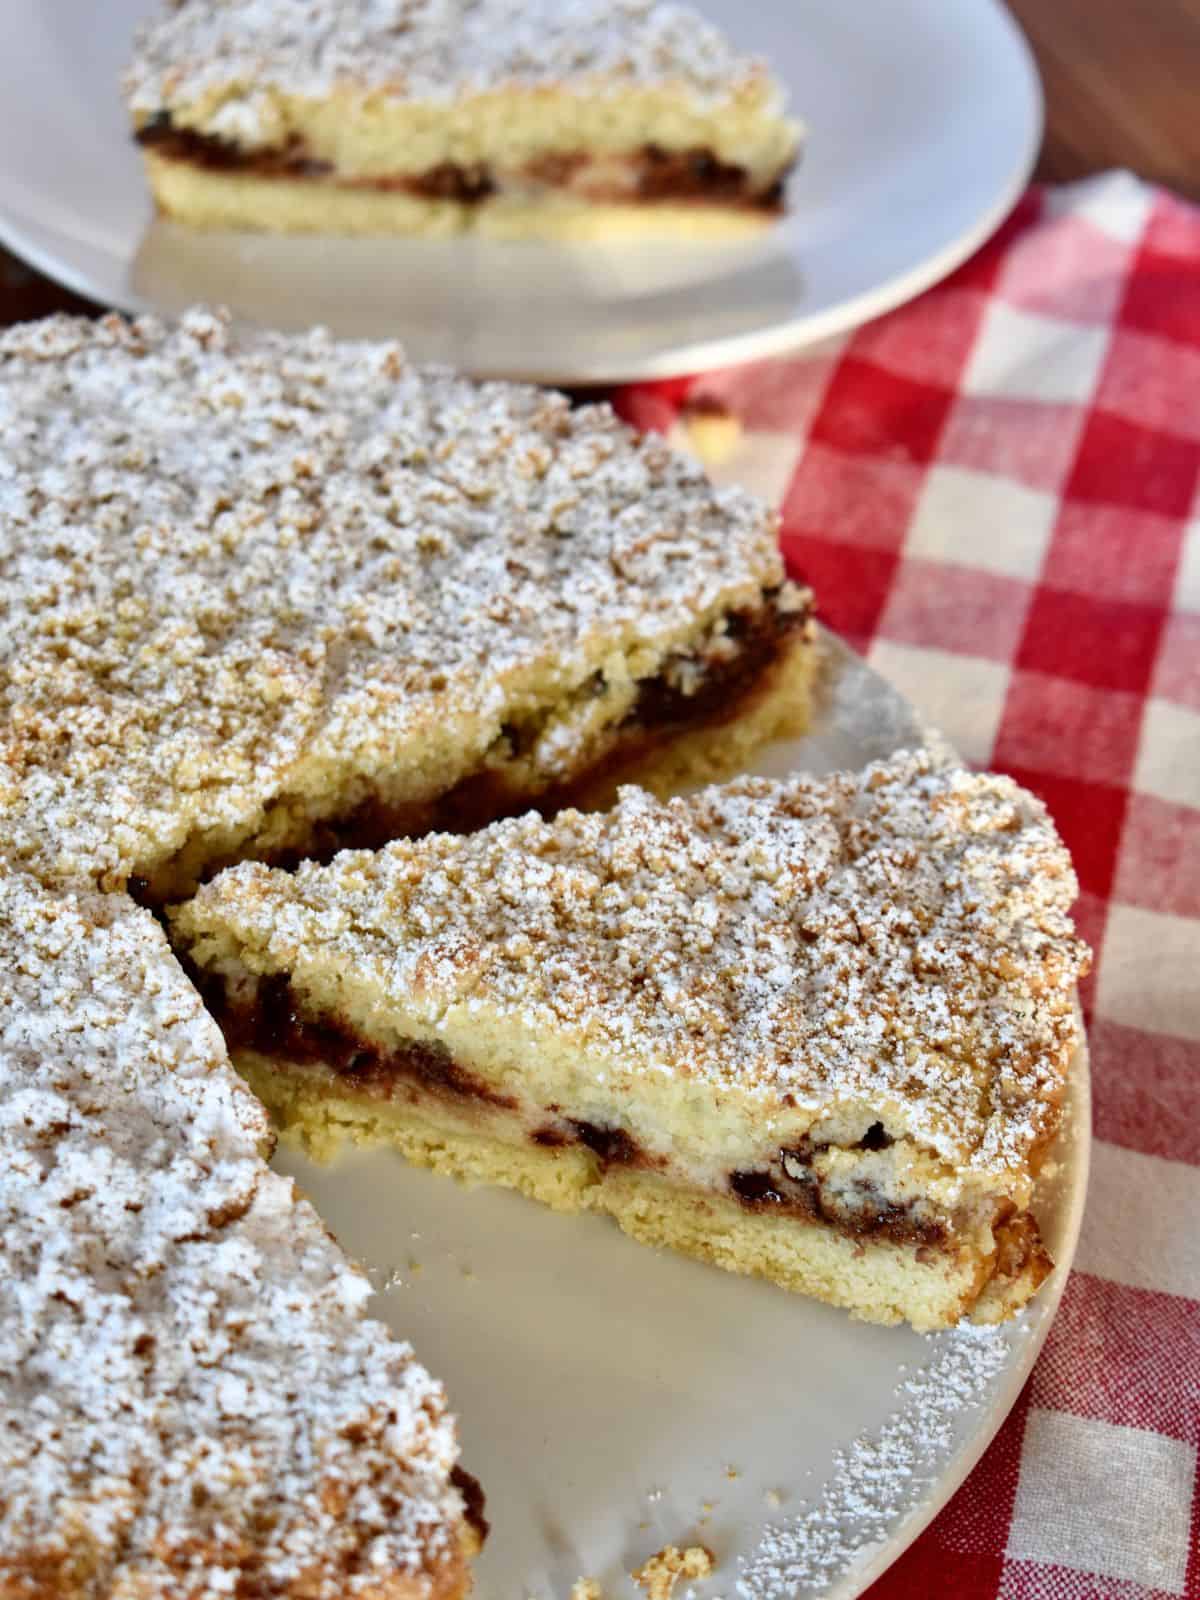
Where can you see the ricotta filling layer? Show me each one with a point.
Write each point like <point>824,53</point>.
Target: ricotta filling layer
<point>859,1190</point>
<point>649,174</point>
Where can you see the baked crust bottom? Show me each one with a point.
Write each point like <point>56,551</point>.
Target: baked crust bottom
<point>876,1279</point>
<point>203,197</point>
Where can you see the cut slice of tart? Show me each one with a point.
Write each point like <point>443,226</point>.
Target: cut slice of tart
<point>266,596</point>
<point>192,1401</point>
<point>815,1029</point>
<point>514,118</point>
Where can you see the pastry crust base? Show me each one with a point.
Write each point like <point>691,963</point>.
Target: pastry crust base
<point>246,202</point>
<point>874,1279</point>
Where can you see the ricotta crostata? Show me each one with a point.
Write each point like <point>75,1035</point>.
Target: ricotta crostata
<point>547,118</point>
<point>265,596</point>
<point>813,1029</point>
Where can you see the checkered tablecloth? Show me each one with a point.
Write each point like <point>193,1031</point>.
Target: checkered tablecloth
<point>996,494</point>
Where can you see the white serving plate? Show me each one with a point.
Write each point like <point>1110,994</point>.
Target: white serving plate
<point>924,121</point>
<point>615,1398</point>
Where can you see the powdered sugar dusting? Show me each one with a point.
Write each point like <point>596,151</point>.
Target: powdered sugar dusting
<point>189,1392</point>
<point>425,49</point>
<point>875,1480</point>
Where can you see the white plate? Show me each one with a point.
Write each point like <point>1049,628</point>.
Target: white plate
<point>614,1398</point>
<point>924,121</point>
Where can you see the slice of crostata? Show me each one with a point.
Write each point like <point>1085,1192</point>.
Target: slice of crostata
<point>815,1029</point>
<point>514,118</point>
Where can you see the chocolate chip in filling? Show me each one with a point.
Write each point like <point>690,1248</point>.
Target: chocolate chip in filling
<point>695,174</point>
<point>790,1185</point>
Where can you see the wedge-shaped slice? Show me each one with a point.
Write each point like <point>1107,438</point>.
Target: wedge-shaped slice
<point>191,1399</point>
<point>265,595</point>
<point>816,1029</point>
<point>507,117</point>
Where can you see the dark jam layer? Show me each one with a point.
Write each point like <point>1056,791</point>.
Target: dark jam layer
<point>790,1187</point>
<point>697,174</point>
<point>661,712</point>
<point>474,1500</point>
<point>677,176</point>
<point>223,155</point>
<point>276,1026</point>
<point>761,636</point>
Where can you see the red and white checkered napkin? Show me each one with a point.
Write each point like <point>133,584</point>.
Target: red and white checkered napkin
<point>996,494</point>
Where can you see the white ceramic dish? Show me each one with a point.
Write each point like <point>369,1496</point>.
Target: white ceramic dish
<point>924,121</point>
<point>614,1399</point>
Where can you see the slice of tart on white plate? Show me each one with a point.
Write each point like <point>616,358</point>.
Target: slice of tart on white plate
<point>815,1029</point>
<point>559,119</point>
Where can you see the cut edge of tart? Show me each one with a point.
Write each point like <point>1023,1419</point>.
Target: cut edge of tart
<point>817,1030</point>
<point>271,595</point>
<point>582,120</point>
<point>191,1397</point>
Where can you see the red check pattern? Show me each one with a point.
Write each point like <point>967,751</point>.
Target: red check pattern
<point>996,494</point>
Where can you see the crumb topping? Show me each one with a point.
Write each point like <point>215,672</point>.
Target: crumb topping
<point>189,1391</point>
<point>247,50</point>
<point>232,564</point>
<point>659,1575</point>
<point>896,940</point>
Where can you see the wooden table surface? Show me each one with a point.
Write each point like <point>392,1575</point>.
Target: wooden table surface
<point>1120,79</point>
